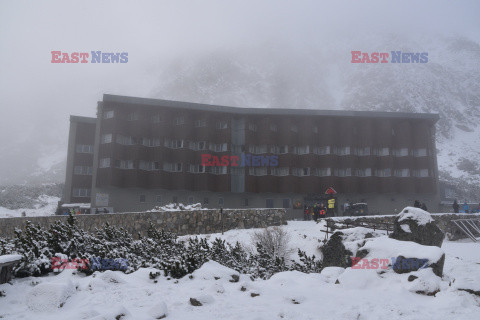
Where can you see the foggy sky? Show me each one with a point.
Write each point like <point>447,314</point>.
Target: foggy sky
<point>37,96</point>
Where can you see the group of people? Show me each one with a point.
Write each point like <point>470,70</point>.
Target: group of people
<point>421,205</point>
<point>465,207</point>
<point>314,212</point>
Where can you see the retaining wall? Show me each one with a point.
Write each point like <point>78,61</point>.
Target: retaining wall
<point>180,222</point>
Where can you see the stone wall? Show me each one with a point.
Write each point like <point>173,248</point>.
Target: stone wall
<point>180,222</point>
<point>442,220</point>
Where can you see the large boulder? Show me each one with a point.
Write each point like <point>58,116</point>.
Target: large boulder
<point>415,224</point>
<point>344,244</point>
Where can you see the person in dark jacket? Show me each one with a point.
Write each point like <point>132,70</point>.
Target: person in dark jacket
<point>424,206</point>
<point>417,204</point>
<point>316,211</point>
<point>455,206</point>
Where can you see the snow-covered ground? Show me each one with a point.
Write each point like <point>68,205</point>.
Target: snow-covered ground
<point>46,205</point>
<point>361,293</point>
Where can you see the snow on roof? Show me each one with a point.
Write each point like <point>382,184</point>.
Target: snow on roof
<point>421,216</point>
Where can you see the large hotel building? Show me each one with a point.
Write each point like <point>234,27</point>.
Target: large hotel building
<point>140,153</point>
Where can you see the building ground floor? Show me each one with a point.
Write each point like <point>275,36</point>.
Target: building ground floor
<point>136,199</point>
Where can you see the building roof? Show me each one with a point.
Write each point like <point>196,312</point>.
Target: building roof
<point>265,111</point>
<point>83,119</point>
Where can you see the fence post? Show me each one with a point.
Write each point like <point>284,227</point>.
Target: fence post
<point>221,217</point>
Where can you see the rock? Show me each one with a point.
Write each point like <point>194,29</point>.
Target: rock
<point>411,278</point>
<point>415,224</point>
<point>194,302</point>
<point>253,294</point>
<point>406,265</point>
<point>334,252</point>
<point>235,278</point>
<point>343,245</point>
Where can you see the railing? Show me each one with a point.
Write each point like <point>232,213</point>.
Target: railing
<point>471,227</point>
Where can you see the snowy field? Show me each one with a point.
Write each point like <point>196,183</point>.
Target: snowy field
<point>360,293</point>
<point>46,206</point>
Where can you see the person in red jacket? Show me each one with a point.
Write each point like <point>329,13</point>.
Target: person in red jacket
<point>322,211</point>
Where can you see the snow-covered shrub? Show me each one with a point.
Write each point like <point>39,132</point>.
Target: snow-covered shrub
<point>159,249</point>
<point>274,242</point>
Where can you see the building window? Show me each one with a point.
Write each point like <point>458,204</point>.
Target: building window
<point>158,198</point>
<point>84,148</point>
<point>341,151</point>
<point>172,167</point>
<point>104,163</point>
<point>280,172</point>
<point>342,172</point>
<point>220,202</point>
<point>83,170</point>
<point>179,120</point>
<point>245,202</point>
<point>124,164</point>
<point>190,200</point>
<point>221,125</point>
<point>132,116</point>
<point>383,173</point>
<point>301,172</point>
<point>151,142</point>
<point>127,141</point>
<point>381,152</point>
<point>252,127</point>
<point>196,168</point>
<point>279,149</point>
<point>286,203</point>
<point>367,172</point>
<point>143,198</point>
<point>200,123</point>
<point>257,149</point>
<point>157,118</point>
<point>420,173</point>
<point>148,165</point>
<point>361,152</point>
<point>321,150</point>
<point>174,144</point>
<point>294,128</point>
<point>218,147</point>
<point>269,203</point>
<point>199,145</point>
<point>205,201</point>
<point>401,152</point>
<point>217,170</point>
<point>81,192</point>
<point>106,138</point>
<point>301,150</point>
<point>108,114</point>
<point>273,127</point>
<point>322,172</point>
<point>257,171</point>
<point>402,173</point>
<point>421,152</point>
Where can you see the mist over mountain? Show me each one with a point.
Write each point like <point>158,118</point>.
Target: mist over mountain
<point>313,75</point>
